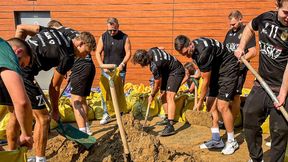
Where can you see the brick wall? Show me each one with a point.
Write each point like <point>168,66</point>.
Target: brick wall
<point>148,23</point>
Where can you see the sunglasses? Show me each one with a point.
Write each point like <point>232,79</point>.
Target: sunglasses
<point>112,30</point>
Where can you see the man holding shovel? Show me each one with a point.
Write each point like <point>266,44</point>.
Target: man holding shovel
<point>81,79</point>
<point>168,73</point>
<point>219,70</point>
<point>49,49</point>
<point>272,28</point>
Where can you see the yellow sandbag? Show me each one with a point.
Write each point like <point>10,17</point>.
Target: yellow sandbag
<point>67,113</point>
<point>154,107</point>
<point>265,126</point>
<point>245,92</point>
<point>4,118</point>
<point>53,124</point>
<point>105,90</point>
<point>179,103</point>
<point>95,104</point>
<point>19,155</point>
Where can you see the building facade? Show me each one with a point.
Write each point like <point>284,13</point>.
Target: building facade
<point>148,23</point>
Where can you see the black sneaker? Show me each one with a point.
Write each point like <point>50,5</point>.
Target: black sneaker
<point>163,122</point>
<point>167,131</point>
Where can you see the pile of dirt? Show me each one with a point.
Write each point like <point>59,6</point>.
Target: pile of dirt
<point>143,147</point>
<point>200,118</point>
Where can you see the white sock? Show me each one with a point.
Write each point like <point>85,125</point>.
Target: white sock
<point>83,129</point>
<point>87,124</point>
<point>40,159</point>
<point>230,136</point>
<point>215,130</point>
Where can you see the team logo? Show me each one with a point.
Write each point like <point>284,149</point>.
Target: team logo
<point>284,35</point>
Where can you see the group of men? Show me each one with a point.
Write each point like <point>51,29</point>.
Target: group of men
<point>223,75</point>
<point>220,67</point>
<point>53,46</point>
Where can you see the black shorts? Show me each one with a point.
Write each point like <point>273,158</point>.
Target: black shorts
<point>82,77</point>
<point>172,82</point>
<point>241,79</point>
<point>223,81</point>
<point>34,92</point>
<point>4,95</point>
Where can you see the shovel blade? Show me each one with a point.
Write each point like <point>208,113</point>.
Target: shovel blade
<point>73,134</point>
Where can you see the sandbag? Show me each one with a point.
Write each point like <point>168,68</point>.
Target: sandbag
<point>105,90</point>
<point>67,113</point>
<point>19,155</point>
<point>179,103</point>
<point>4,118</point>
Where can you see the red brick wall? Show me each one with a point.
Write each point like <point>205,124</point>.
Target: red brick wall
<point>148,23</point>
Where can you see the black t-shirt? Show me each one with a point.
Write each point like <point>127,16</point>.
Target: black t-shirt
<point>51,49</point>
<point>273,44</point>
<point>114,48</point>
<point>163,63</point>
<point>233,38</point>
<point>71,34</point>
<point>210,54</point>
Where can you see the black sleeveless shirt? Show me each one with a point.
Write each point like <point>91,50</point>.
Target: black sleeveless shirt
<point>114,48</point>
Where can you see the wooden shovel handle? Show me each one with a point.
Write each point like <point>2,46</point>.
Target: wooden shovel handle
<point>265,86</point>
<point>108,66</point>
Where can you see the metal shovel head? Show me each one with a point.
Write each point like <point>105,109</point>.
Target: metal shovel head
<point>73,134</point>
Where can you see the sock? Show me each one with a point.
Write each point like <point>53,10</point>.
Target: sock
<point>40,159</point>
<point>83,129</point>
<point>230,136</point>
<point>87,124</point>
<point>215,134</point>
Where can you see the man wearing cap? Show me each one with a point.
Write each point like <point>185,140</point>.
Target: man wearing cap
<point>117,50</point>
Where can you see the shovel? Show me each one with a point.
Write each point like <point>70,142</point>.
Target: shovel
<point>265,86</point>
<point>67,130</point>
<point>116,107</point>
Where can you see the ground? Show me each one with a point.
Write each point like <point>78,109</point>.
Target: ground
<point>183,146</point>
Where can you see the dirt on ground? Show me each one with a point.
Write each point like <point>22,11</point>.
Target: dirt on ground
<point>145,144</point>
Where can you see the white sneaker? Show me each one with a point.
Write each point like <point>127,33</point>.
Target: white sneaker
<point>89,132</point>
<point>31,159</point>
<point>230,147</point>
<point>106,118</point>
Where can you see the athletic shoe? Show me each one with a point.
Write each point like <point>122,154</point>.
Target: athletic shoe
<point>230,147</point>
<point>88,131</point>
<point>268,144</point>
<point>31,159</point>
<point>106,118</point>
<point>250,160</point>
<point>168,130</point>
<point>163,122</point>
<point>212,144</point>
